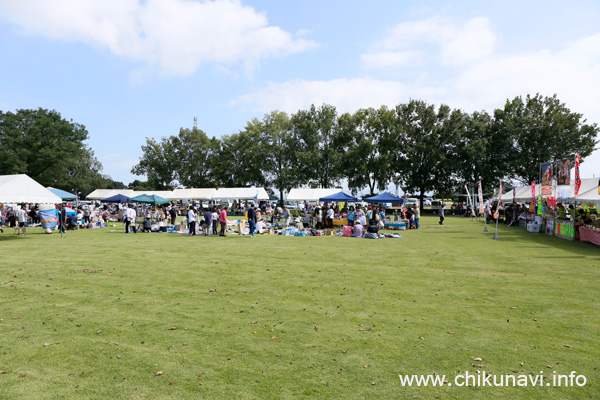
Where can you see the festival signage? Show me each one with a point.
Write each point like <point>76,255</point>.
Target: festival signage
<point>577,177</point>
<point>546,172</point>
<point>480,193</point>
<point>532,204</point>
<point>563,172</point>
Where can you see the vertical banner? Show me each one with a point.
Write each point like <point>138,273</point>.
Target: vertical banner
<point>546,172</point>
<point>577,177</point>
<point>563,172</point>
<point>532,205</point>
<point>514,194</point>
<point>497,212</point>
<point>480,193</point>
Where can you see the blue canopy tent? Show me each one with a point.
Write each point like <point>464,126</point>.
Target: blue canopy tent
<point>153,199</point>
<point>341,196</point>
<point>63,194</point>
<point>384,198</point>
<point>117,198</point>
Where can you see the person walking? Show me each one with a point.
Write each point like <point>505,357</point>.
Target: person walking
<point>330,214</point>
<point>252,220</point>
<point>223,221</point>
<point>191,216</point>
<point>22,220</point>
<point>207,222</point>
<point>442,205</point>
<point>130,216</point>
<point>215,220</point>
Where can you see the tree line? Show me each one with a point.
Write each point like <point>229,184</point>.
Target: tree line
<point>416,146</point>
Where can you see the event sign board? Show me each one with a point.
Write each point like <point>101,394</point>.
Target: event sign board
<point>546,172</point>
<point>563,172</point>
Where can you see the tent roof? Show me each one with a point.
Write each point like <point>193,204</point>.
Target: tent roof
<point>384,198</point>
<point>588,186</point>
<point>588,192</point>
<point>341,196</point>
<point>22,189</point>
<point>100,194</point>
<point>240,194</point>
<point>149,199</point>
<point>191,194</point>
<point>63,194</point>
<point>117,198</point>
<point>299,194</point>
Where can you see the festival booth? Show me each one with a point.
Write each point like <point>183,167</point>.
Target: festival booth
<point>390,221</point>
<point>311,195</point>
<point>590,195</point>
<point>16,189</point>
<point>340,197</point>
<point>237,195</point>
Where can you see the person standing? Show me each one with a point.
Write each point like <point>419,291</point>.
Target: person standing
<point>86,215</point>
<point>215,220</point>
<point>330,214</point>
<point>207,222</point>
<point>442,205</point>
<point>223,221</point>
<point>252,221</point>
<point>130,216</point>
<point>191,216</point>
<point>417,216</point>
<point>285,214</point>
<point>22,220</point>
<point>351,216</point>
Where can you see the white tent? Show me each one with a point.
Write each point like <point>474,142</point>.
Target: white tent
<point>301,194</point>
<point>192,194</point>
<point>523,193</point>
<point>22,189</point>
<point>100,194</point>
<point>165,194</point>
<point>240,194</point>
<point>588,193</point>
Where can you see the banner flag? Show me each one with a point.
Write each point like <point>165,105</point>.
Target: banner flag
<point>577,177</point>
<point>481,198</point>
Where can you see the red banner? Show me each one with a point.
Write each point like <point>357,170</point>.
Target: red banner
<point>577,177</point>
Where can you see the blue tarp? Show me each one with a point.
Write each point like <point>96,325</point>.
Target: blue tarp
<point>63,195</point>
<point>117,198</point>
<point>384,198</point>
<point>341,196</point>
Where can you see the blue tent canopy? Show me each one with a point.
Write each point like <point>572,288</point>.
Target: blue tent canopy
<point>117,198</point>
<point>341,196</point>
<point>384,198</point>
<point>63,194</point>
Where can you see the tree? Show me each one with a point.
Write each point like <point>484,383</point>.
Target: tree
<point>281,163</point>
<point>542,129</point>
<point>157,163</point>
<point>369,135</point>
<point>48,148</point>
<point>240,158</point>
<point>318,145</point>
<point>429,140</point>
<point>193,156</point>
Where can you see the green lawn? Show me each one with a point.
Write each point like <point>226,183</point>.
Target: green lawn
<point>98,313</point>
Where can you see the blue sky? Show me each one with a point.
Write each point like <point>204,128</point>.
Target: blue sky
<point>131,69</point>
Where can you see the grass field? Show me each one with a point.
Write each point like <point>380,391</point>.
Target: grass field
<point>99,314</point>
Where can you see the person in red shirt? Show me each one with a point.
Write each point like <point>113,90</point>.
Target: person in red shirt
<point>223,221</point>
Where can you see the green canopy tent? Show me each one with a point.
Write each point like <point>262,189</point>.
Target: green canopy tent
<point>147,199</point>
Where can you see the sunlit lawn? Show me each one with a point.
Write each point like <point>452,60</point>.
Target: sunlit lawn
<point>98,314</point>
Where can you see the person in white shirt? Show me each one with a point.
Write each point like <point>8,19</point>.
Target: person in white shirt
<point>191,216</point>
<point>22,220</point>
<point>131,215</point>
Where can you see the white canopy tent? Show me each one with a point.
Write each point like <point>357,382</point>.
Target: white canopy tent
<point>191,194</point>
<point>100,194</point>
<point>162,193</point>
<point>240,194</point>
<point>588,186</point>
<point>301,194</point>
<point>22,189</point>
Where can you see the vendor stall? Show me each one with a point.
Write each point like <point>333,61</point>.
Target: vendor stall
<point>589,235</point>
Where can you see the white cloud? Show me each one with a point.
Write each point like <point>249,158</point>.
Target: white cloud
<point>458,44</point>
<point>175,36</point>
<point>347,95</point>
